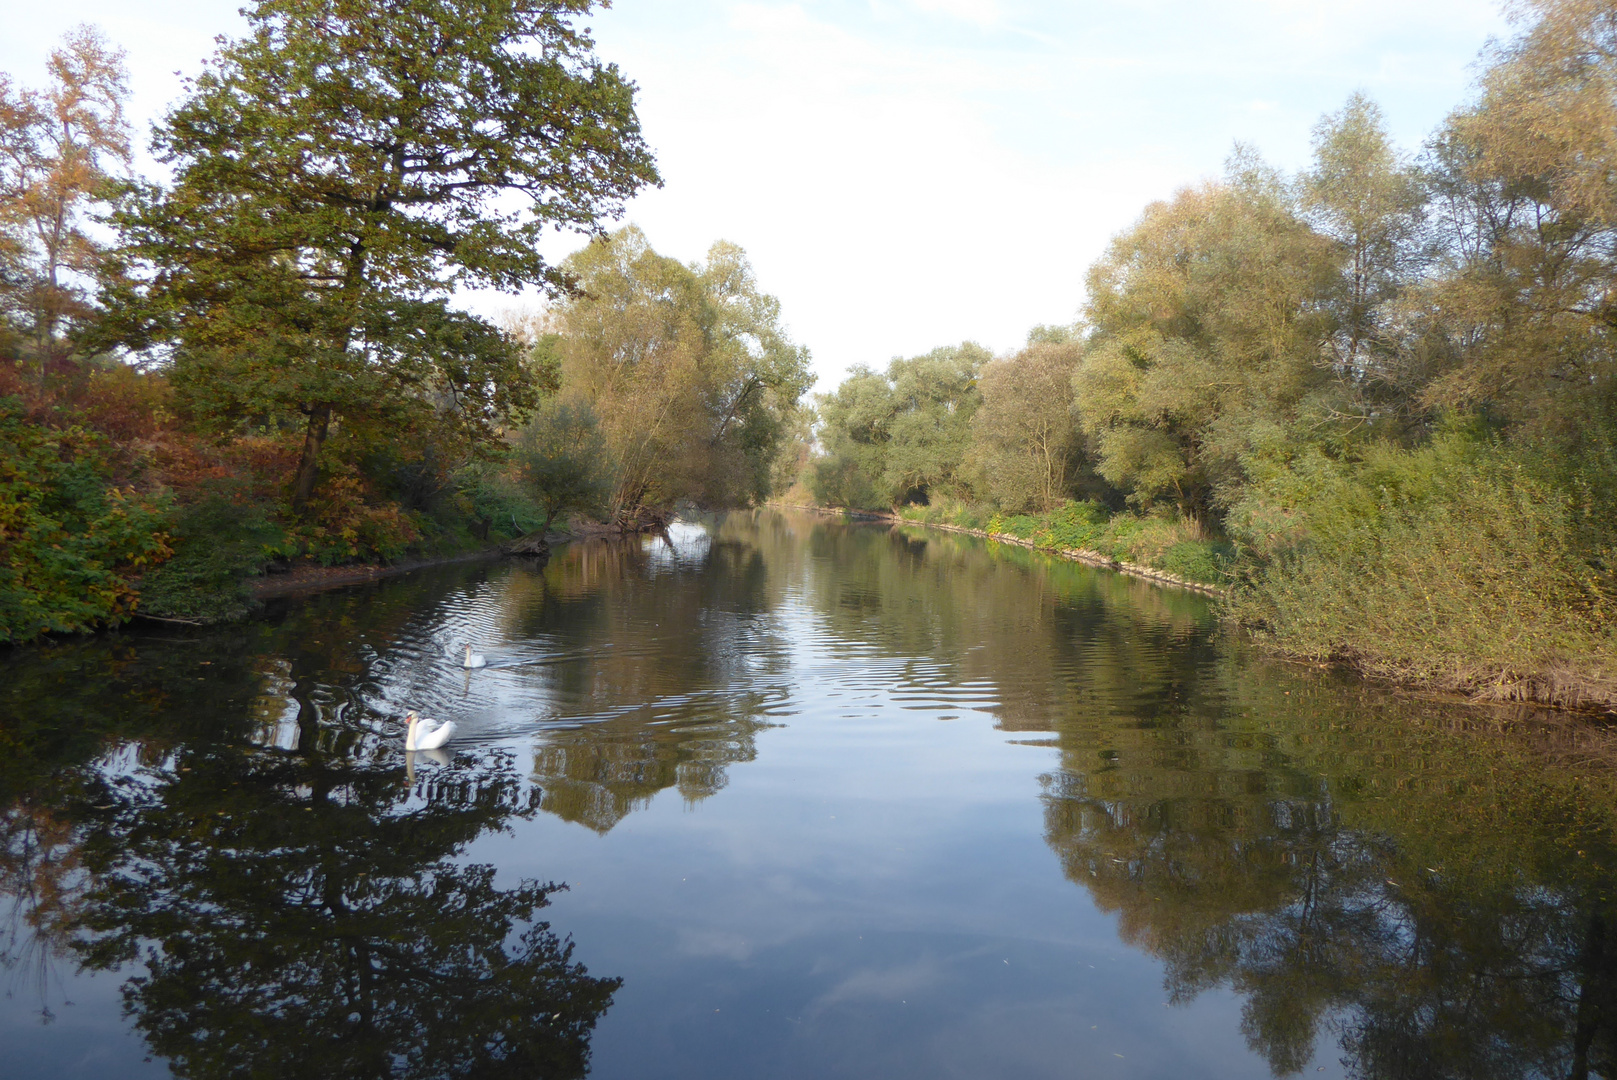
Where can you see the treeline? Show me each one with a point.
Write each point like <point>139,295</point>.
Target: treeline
<point>1377,398</point>
<point>255,359</point>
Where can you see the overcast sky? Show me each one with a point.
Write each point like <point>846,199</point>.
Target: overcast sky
<point>912,173</point>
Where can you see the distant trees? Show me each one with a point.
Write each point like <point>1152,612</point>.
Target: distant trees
<point>689,368</point>
<point>903,436</point>
<point>336,171</point>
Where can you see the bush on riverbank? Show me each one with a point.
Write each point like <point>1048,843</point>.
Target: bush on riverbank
<point>1160,539</point>
<point>110,505</point>
<point>1467,563</point>
<point>71,532</point>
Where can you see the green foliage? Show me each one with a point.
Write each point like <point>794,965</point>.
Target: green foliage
<point>1468,562</point>
<point>337,171</point>
<point>1025,440</point>
<point>561,460</point>
<point>1203,561</point>
<point>901,437</point>
<point>69,535</point>
<point>946,511</point>
<point>219,543</point>
<point>1206,319</point>
<point>1160,540</point>
<point>495,508</point>
<point>1524,199</point>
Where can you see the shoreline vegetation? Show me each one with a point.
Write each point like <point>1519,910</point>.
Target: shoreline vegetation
<point>1571,688</point>
<point>1032,536</point>
<point>1372,405</point>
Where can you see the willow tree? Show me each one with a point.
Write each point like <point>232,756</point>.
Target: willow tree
<point>1025,437</point>
<point>903,436</point>
<point>689,369</point>
<point>337,172</point>
<point>1363,195</point>
<point>1207,318</point>
<point>1525,180</point>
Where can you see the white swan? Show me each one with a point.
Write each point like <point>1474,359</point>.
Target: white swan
<point>473,659</point>
<point>426,733</point>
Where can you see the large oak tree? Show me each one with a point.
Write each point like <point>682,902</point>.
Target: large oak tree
<point>337,173</point>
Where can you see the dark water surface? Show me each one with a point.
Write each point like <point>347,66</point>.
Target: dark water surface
<point>784,797</point>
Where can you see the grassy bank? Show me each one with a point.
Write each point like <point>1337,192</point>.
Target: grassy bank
<point>1158,545</point>
<point>1467,565</point>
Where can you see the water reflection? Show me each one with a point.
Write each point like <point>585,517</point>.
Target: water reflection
<point>1440,900</point>
<point>289,889</point>
<point>682,681</point>
<point>227,822</point>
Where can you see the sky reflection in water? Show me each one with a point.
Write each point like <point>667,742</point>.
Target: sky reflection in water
<point>786,797</point>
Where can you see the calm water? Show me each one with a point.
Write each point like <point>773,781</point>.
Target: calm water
<point>783,797</point>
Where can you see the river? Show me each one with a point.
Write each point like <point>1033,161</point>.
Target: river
<point>783,796</point>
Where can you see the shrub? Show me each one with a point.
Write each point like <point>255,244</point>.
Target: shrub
<point>341,525</point>
<point>70,537</point>
<point>1466,563</point>
<point>1203,561</point>
<point>219,542</point>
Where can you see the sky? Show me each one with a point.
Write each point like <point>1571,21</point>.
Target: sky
<point>906,174</point>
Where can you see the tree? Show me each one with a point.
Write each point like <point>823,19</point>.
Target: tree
<point>1025,437</point>
<point>934,399</point>
<point>1364,197</point>
<point>1207,319</point>
<point>1525,185</point>
<point>854,431</point>
<point>688,367</point>
<point>562,459</point>
<point>337,172</point>
<point>56,147</point>
<point>901,437</point>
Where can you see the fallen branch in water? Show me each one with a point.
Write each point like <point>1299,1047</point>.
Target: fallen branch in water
<point>165,619</point>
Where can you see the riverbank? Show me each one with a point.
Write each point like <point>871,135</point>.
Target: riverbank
<point>1083,555</point>
<point>1571,686</point>
<point>304,579</point>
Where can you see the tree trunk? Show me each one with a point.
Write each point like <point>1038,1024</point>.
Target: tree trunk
<point>309,465</point>
<point>1594,995</point>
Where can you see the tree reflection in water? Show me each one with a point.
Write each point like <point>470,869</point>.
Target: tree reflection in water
<point>682,693</point>
<point>298,913</point>
<point>1442,906</point>
<point>310,920</point>
<point>1437,903</point>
